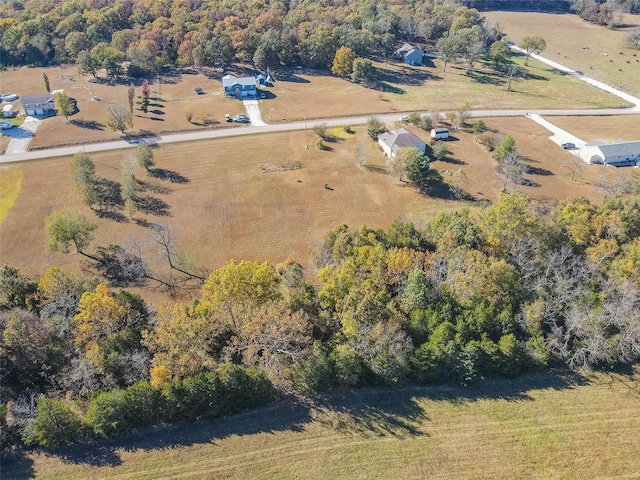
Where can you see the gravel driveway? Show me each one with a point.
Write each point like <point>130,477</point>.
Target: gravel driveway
<point>253,110</point>
<point>21,136</point>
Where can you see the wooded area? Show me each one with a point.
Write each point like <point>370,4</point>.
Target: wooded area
<point>98,34</point>
<point>511,288</point>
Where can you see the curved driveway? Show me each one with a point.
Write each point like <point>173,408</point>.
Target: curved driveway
<point>359,120</point>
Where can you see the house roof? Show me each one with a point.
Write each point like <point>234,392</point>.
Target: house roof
<point>407,49</point>
<point>620,149</point>
<point>230,80</point>
<point>401,138</point>
<point>36,99</point>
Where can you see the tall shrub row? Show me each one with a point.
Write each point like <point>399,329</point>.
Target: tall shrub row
<point>230,390</point>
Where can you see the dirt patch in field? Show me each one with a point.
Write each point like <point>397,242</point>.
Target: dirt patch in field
<point>280,167</point>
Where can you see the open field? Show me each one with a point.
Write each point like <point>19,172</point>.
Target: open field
<point>295,95</point>
<point>428,89</point>
<point>606,129</point>
<point>537,426</point>
<point>222,205</point>
<point>579,45</point>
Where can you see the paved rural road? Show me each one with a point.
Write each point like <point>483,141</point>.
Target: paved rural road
<point>331,122</point>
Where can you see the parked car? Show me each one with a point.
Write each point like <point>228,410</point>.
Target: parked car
<point>241,118</point>
<point>9,97</point>
<point>568,146</point>
<point>5,125</point>
<point>404,118</point>
<point>198,90</point>
<point>227,118</point>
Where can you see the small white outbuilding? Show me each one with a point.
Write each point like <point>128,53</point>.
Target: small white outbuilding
<point>439,133</point>
<point>7,111</point>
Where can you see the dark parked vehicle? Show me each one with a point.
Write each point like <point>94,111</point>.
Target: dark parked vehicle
<point>569,146</point>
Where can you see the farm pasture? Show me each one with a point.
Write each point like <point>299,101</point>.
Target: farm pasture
<point>296,94</point>
<point>223,206</point>
<point>551,425</point>
<point>579,45</point>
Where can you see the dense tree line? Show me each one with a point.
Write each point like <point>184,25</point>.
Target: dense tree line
<point>513,287</point>
<point>152,33</point>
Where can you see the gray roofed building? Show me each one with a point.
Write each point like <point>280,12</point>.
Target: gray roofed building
<point>619,152</point>
<point>38,104</point>
<point>391,142</point>
<point>410,54</point>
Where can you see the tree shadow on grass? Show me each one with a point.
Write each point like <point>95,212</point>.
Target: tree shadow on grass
<point>153,187</point>
<point>88,124</point>
<point>108,192</point>
<point>539,171</point>
<point>405,76</point>
<point>451,160</point>
<point>17,466</point>
<point>372,413</point>
<point>486,78</point>
<point>164,174</point>
<point>152,206</point>
<point>369,412</point>
<point>388,88</point>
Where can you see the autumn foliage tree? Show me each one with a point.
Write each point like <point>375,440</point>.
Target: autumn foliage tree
<point>343,62</point>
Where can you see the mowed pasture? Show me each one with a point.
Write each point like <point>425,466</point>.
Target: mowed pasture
<point>296,94</point>
<point>222,205</point>
<point>606,129</point>
<point>537,426</point>
<point>596,51</point>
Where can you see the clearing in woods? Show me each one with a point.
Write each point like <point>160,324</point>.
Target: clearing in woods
<point>552,425</point>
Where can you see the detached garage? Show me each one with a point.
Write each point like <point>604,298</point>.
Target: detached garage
<point>34,105</point>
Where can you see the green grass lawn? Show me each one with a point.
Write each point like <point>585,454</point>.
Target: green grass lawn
<point>537,426</point>
<point>10,186</point>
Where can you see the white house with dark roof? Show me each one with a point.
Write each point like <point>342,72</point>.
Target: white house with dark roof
<point>391,142</point>
<point>239,87</point>
<point>38,104</point>
<point>410,54</point>
<point>619,152</point>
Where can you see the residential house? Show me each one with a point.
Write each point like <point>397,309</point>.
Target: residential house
<point>619,152</point>
<point>38,104</point>
<point>391,142</point>
<point>239,87</point>
<point>410,54</point>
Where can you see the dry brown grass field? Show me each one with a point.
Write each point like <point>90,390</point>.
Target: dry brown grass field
<point>606,129</point>
<point>223,206</point>
<point>296,94</point>
<point>580,45</point>
<point>537,426</point>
